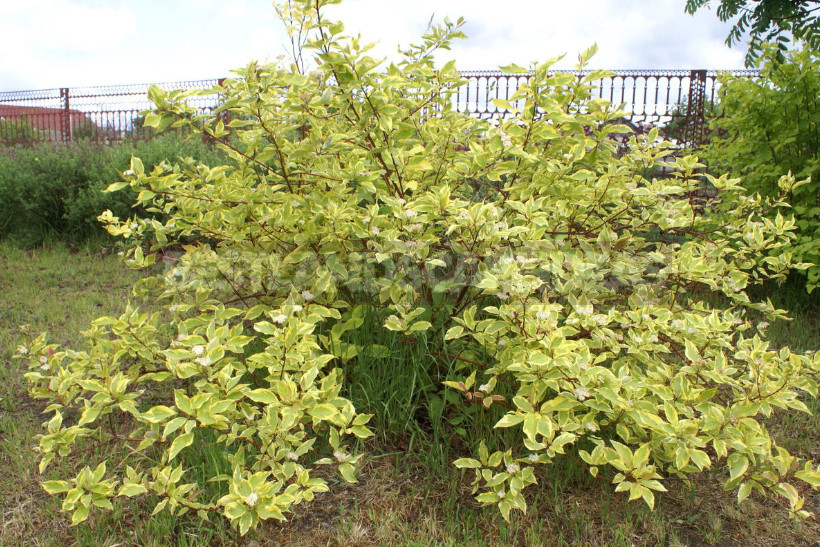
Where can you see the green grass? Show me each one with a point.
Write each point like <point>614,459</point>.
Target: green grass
<point>409,493</point>
<point>58,291</point>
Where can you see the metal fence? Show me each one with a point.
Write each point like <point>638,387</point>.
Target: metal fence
<point>111,113</point>
<point>103,113</point>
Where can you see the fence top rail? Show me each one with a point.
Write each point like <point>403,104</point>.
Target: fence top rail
<point>682,73</point>
<point>32,95</point>
<point>102,90</point>
<point>132,89</point>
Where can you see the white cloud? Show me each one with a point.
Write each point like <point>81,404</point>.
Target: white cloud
<point>58,43</point>
<point>66,27</point>
<point>48,41</point>
<point>629,33</point>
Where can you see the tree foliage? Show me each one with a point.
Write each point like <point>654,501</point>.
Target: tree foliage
<point>573,297</point>
<point>765,21</point>
<point>769,126</point>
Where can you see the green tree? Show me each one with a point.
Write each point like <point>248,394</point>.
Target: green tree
<point>769,126</point>
<point>767,20</point>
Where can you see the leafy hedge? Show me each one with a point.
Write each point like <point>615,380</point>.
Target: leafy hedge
<point>55,191</point>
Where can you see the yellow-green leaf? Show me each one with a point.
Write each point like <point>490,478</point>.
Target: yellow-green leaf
<point>179,443</point>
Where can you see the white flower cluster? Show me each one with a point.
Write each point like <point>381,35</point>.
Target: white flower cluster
<point>505,139</point>
<point>585,310</point>
<point>581,393</point>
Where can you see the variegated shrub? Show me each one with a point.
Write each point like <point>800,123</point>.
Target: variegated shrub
<point>603,309</point>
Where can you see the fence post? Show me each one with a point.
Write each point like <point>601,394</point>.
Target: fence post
<point>696,109</point>
<point>65,118</point>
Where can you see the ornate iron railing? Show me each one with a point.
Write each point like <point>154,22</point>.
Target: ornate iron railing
<point>110,113</point>
<point>653,96</point>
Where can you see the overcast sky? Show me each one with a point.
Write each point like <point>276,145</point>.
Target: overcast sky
<point>71,43</point>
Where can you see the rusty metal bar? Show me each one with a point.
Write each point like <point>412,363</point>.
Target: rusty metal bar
<point>65,118</point>
<point>695,109</point>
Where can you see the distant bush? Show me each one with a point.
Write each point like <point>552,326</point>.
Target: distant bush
<point>19,130</point>
<point>55,191</point>
<point>771,126</point>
